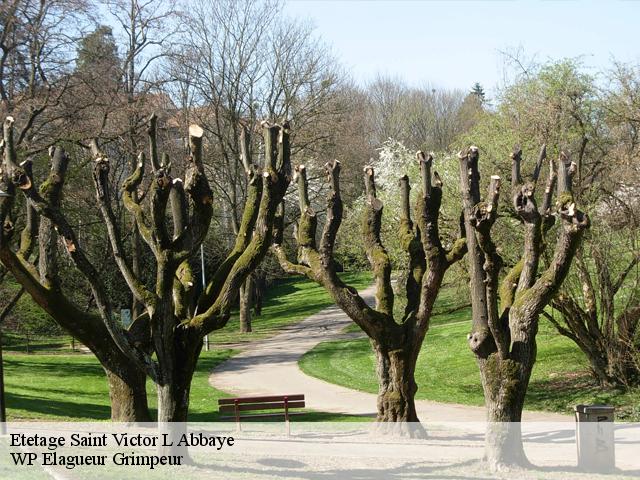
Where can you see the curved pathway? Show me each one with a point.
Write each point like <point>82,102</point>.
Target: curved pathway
<point>270,367</point>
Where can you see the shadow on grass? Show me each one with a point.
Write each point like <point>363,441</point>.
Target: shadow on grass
<point>62,408</point>
<point>36,367</point>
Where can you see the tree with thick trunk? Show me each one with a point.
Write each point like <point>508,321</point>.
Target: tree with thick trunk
<point>34,265</point>
<point>165,341</point>
<point>505,317</point>
<point>396,342</point>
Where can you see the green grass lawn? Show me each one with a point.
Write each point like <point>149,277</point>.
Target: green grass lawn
<point>447,371</point>
<point>74,387</point>
<point>287,302</point>
<point>59,385</point>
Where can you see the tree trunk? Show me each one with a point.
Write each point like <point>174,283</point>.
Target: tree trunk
<point>246,296</point>
<point>503,446</point>
<point>505,385</point>
<point>600,366</point>
<point>173,394</point>
<point>173,409</point>
<point>128,394</point>
<point>397,390</point>
<point>259,288</point>
<point>173,401</point>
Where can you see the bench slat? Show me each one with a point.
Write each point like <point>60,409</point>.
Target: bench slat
<point>265,399</point>
<point>261,415</point>
<point>246,407</point>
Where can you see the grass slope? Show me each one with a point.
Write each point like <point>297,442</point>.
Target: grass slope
<point>447,371</point>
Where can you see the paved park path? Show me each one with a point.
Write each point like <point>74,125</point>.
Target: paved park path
<point>270,367</point>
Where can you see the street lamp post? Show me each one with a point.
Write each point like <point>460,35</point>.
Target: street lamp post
<point>3,410</point>
<point>204,285</point>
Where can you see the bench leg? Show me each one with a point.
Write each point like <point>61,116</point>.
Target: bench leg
<point>237,414</point>
<point>286,416</point>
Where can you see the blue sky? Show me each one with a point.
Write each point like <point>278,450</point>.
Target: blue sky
<point>454,44</point>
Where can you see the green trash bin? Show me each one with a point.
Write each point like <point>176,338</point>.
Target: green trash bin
<point>595,438</point>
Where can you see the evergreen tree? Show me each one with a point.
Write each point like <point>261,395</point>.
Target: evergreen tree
<point>478,91</point>
<point>98,55</point>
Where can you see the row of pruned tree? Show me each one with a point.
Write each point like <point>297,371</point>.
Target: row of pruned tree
<point>504,317</point>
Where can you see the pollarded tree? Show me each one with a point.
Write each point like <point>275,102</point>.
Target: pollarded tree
<point>503,337</point>
<point>165,341</point>
<point>395,341</point>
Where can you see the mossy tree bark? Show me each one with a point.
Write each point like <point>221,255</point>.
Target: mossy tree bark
<point>503,337</point>
<point>396,342</point>
<point>397,386</point>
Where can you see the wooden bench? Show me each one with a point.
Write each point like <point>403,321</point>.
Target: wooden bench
<point>239,407</point>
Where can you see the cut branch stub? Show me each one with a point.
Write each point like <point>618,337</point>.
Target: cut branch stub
<point>9,150</point>
<point>27,166</point>
<point>24,175</point>
<point>405,190</point>
<point>195,145</point>
<point>332,169</point>
<point>19,177</point>
<point>271,137</point>
<point>566,170</point>
<point>160,189</point>
<point>308,223</point>
<point>437,181</point>
<point>369,182</point>
<point>471,185</point>
<point>303,187</point>
<point>101,176</point>
<point>283,163</point>
<point>376,253</point>
<point>132,183</point>
<point>569,212</point>
<point>334,213</point>
<point>179,207</point>
<point>163,179</point>
<point>545,208</point>
<point>425,162</point>
<point>370,188</point>
<point>516,159</point>
<point>165,162</point>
